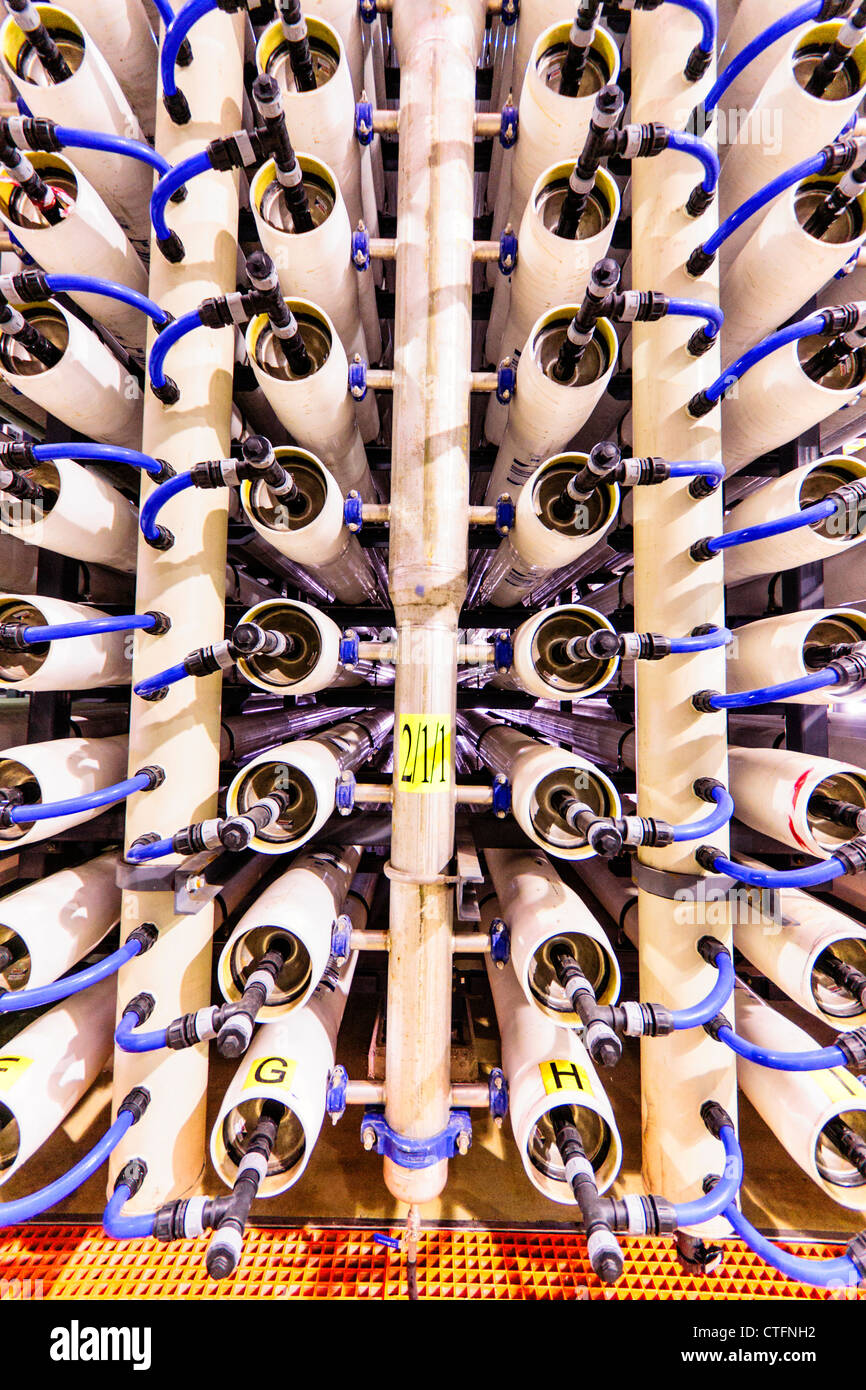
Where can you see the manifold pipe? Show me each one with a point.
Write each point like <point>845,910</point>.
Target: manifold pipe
<point>428,549</point>
<point>54,771</point>
<point>308,770</point>
<point>54,922</point>
<point>544,413</point>
<point>314,660</point>
<point>542,666</point>
<point>316,409</point>
<point>773,650</point>
<point>127,43</point>
<point>552,127</point>
<point>289,1061</point>
<point>751,18</point>
<point>76,663</point>
<point>675,744</point>
<point>798,1106</point>
<point>537,771</point>
<point>541,911</point>
<point>776,401</point>
<point>321,122</point>
<point>785,496</point>
<point>48,1067</point>
<point>297,911</point>
<point>772,790</point>
<point>317,264</point>
<point>89,238</point>
<point>781,267</point>
<point>311,531</point>
<point>79,515</point>
<point>787,124</point>
<point>550,269</point>
<point>540,542</point>
<point>546,1066</point>
<point>91,99</point>
<point>89,389</point>
<point>182,732</point>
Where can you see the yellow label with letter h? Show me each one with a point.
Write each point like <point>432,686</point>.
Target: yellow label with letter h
<point>564,1076</point>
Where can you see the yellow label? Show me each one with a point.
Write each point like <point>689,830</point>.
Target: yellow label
<point>564,1076</point>
<point>273,1071</point>
<point>11,1070</point>
<point>424,756</point>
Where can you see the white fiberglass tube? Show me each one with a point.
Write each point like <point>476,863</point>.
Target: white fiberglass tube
<point>772,790</point>
<point>80,515</point>
<point>540,541</point>
<point>545,414</point>
<point>89,239</point>
<point>542,911</point>
<point>773,650</point>
<point>542,665</point>
<point>47,1068</point>
<point>298,911</point>
<point>317,409</point>
<point>73,663</point>
<point>535,17</point>
<point>89,389</point>
<point>799,1106</point>
<point>54,922</point>
<point>751,18</point>
<point>91,99</point>
<point>546,1066</point>
<point>312,664</point>
<point>55,771</point>
<point>127,43</point>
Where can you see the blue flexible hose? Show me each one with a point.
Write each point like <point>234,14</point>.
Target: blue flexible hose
<point>706,14</point>
<point>173,179</point>
<point>26,1208</point>
<point>56,632</point>
<point>808,877</point>
<point>173,40</point>
<point>107,453</point>
<point>714,1202</point>
<point>166,11</point>
<point>805,169</point>
<point>809,516</point>
<point>93,284</point>
<point>121,1227</point>
<point>170,676</point>
<point>166,340</point>
<point>112,144</point>
<point>690,144</point>
<point>695,309</point>
<point>702,642</point>
<point>762,41</point>
<point>142,854</point>
<point>767,694</point>
<point>157,500</point>
<point>13,1001</point>
<point>821,1273</point>
<point>696,468</point>
<point>818,1059</point>
<point>697,829</point>
<point>129,1040</point>
<point>805,328</point>
<point>88,801</point>
<point>698,1014</point>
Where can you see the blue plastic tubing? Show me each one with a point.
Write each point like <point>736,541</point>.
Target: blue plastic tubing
<point>697,468</point>
<point>690,144</point>
<point>107,453</point>
<point>708,825</point>
<point>25,1208</point>
<point>166,11</point>
<point>166,340</point>
<point>174,178</point>
<point>89,801</point>
<point>695,309</point>
<point>759,200</point>
<point>128,1040</point>
<point>173,40</point>
<point>706,14</point>
<point>14,1001</point>
<point>821,1273</point>
<point>808,877</point>
<point>121,1227</point>
<point>753,50</point>
<point>706,1009</point>
<point>815,323</point>
<point>702,642</point>
<point>714,1202</point>
<point>809,516</point>
<point>94,284</point>
<point>56,632</point>
<point>765,695</point>
<point>157,500</point>
<point>112,144</point>
<point>818,1059</point>
<point>170,676</point>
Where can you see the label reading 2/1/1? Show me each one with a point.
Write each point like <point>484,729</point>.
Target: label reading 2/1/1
<point>424,756</point>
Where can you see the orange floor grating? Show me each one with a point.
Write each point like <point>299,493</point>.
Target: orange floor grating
<point>67,1262</point>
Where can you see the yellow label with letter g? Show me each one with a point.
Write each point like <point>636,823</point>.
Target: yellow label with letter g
<point>12,1069</point>
<point>271,1071</point>
<point>564,1076</point>
<point>424,752</point>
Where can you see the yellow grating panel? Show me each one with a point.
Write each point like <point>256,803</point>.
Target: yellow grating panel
<point>311,1263</point>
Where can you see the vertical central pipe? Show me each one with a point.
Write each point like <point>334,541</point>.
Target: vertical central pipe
<point>437,45</point>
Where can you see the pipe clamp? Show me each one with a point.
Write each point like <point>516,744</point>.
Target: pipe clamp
<point>456,1137</point>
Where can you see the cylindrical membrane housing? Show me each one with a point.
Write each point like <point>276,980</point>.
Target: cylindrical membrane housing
<point>773,790</point>
<point>73,663</point>
<point>542,665</point>
<point>55,771</point>
<point>773,650</point>
<point>80,515</point>
<point>313,662</point>
<point>54,922</point>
